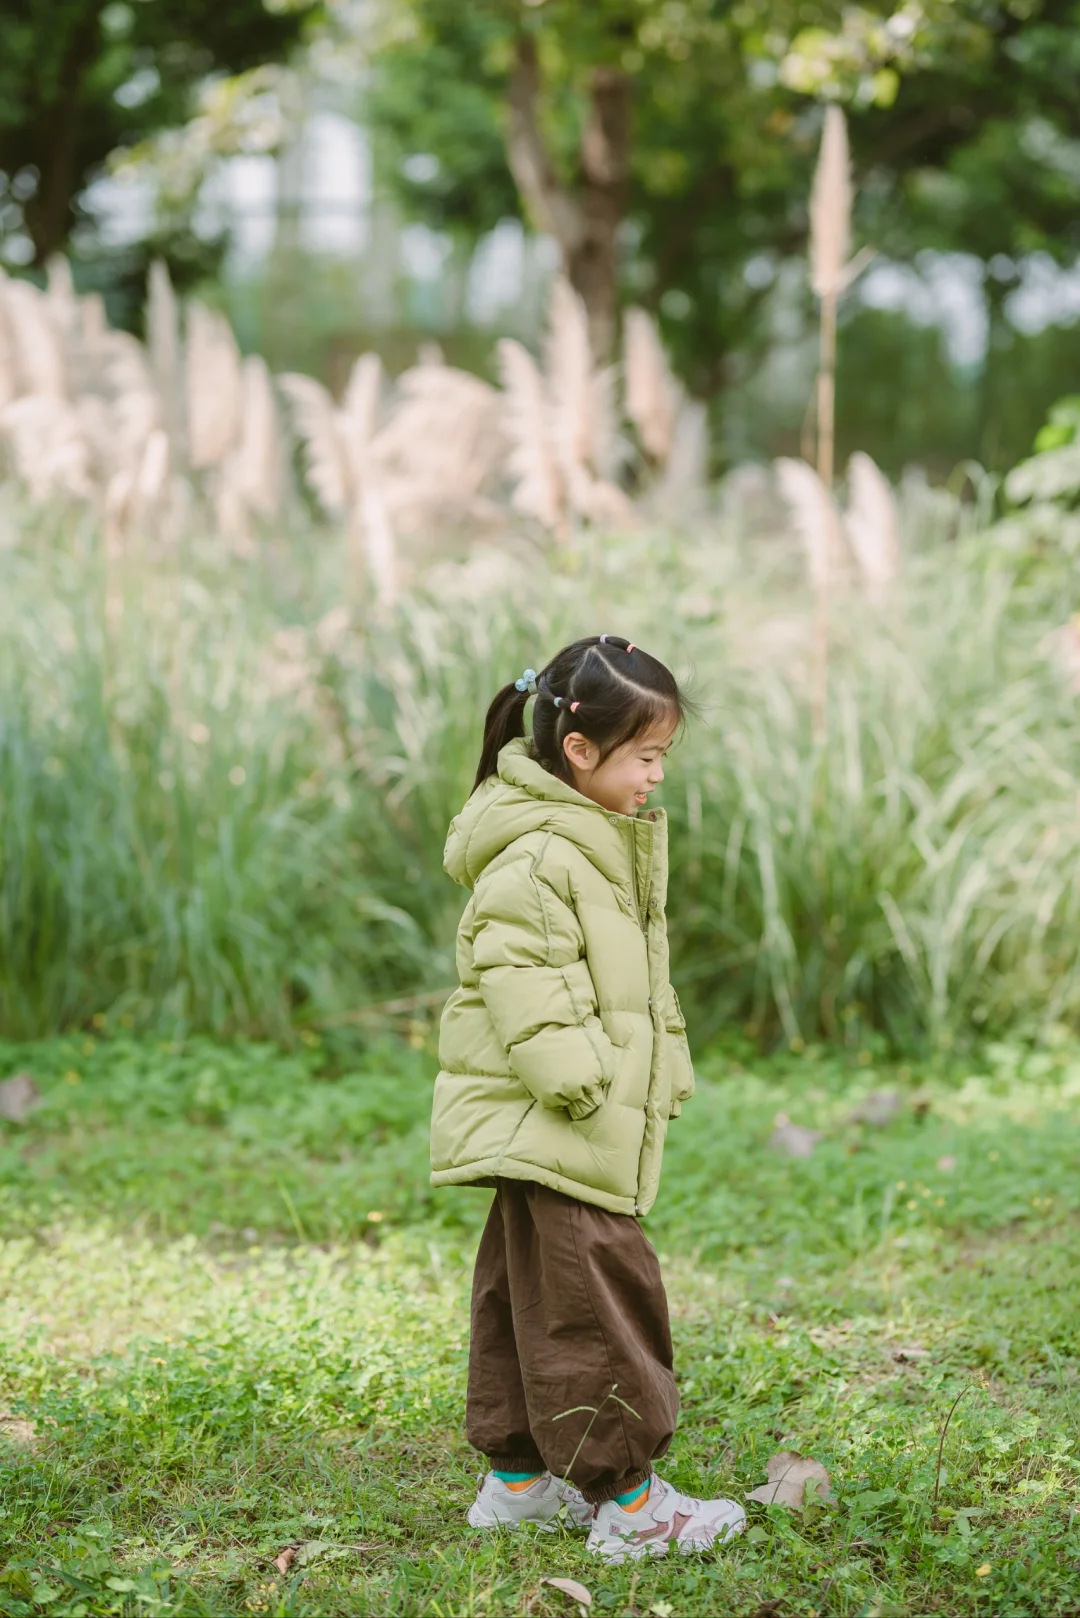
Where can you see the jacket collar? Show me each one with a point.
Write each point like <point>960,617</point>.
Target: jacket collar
<point>524,797</point>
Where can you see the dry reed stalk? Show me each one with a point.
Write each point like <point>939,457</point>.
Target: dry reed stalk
<point>830,233</point>
<point>872,523</point>
<point>653,396</point>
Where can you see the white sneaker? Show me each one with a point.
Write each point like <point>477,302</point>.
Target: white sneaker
<point>497,1506</point>
<point>666,1517</point>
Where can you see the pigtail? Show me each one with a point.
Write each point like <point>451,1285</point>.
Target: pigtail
<point>505,721</point>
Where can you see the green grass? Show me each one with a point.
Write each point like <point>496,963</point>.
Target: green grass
<point>225,786</point>
<point>236,1318</point>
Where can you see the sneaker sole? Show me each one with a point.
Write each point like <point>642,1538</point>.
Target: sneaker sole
<point>616,1552</point>
<point>547,1525</point>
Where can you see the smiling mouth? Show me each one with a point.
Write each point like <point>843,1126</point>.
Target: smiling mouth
<point>641,797</point>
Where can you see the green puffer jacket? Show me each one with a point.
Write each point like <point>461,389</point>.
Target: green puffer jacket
<point>563,1052</point>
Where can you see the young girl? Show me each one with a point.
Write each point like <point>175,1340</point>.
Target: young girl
<point>563,1056</point>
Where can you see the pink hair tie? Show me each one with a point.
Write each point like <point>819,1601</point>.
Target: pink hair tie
<point>630,648</point>
<point>574,706</point>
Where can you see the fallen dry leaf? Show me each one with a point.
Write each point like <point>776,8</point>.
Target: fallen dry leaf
<point>309,1550</point>
<point>909,1353</point>
<point>570,1587</point>
<point>793,1139</point>
<point>789,1473</point>
<point>19,1095</point>
<point>879,1108</point>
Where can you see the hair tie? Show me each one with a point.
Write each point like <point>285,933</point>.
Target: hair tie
<point>527,681</point>
<point>574,706</point>
<point>630,648</point>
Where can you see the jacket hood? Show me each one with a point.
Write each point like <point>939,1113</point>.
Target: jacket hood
<point>524,797</point>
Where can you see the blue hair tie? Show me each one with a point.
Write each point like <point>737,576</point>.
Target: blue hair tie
<point>527,681</point>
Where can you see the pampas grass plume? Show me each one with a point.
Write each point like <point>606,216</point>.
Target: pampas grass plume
<point>830,208</point>
<point>872,524</point>
<point>652,393</point>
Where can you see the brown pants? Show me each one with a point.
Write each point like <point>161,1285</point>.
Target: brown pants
<point>568,1310</point>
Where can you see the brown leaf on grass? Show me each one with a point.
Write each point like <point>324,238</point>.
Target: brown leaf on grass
<point>309,1550</point>
<point>879,1108</point>
<point>793,1139</point>
<point>789,1473</point>
<point>910,1353</point>
<point>570,1587</point>
<point>19,1096</point>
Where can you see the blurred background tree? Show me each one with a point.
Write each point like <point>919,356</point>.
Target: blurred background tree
<point>661,151</point>
<point>81,79</point>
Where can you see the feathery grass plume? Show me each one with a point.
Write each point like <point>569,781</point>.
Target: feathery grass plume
<point>9,375</point>
<point>816,519</point>
<point>61,303</point>
<point>326,462</point>
<point>581,408</point>
<point>830,235</point>
<point>683,484</point>
<point>872,524</point>
<point>357,416</point>
<point>538,491</point>
<point>48,450</point>
<point>213,386</point>
<point>442,443</point>
<point>39,355</point>
<point>568,368</point>
<point>830,208</point>
<point>379,543</point>
<point>653,396</point>
<point>255,468</point>
<point>163,346</point>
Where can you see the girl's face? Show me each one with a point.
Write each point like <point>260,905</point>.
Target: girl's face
<point>624,780</point>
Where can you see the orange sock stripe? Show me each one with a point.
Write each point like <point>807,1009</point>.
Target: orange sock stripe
<point>636,1505</point>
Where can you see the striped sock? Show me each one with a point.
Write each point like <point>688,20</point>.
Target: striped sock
<point>634,1499</point>
<point>516,1481</point>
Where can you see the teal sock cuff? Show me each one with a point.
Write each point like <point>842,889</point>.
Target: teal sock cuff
<point>516,1477</point>
<point>631,1495</point>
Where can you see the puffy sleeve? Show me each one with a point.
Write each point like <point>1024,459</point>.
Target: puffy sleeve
<point>682,1085</point>
<point>529,953</point>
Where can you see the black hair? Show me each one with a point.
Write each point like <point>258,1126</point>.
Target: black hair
<point>605,687</point>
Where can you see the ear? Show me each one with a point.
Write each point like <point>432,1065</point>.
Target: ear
<point>581,753</point>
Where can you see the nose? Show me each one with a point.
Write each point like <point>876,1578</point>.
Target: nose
<point>656,774</point>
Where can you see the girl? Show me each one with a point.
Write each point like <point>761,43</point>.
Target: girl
<point>563,1056</point>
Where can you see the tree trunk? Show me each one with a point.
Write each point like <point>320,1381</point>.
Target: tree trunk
<point>584,219</point>
<point>48,213</point>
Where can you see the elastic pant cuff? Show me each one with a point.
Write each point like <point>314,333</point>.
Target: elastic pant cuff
<point>601,1495</point>
<point>517,1463</point>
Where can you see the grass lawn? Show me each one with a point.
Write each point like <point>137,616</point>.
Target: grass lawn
<point>233,1318</point>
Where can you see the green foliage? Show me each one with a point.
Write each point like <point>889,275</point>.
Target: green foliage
<point>724,139</point>
<point>201,1394</point>
<point>79,78</point>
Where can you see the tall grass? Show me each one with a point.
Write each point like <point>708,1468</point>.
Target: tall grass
<point>224,792</point>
